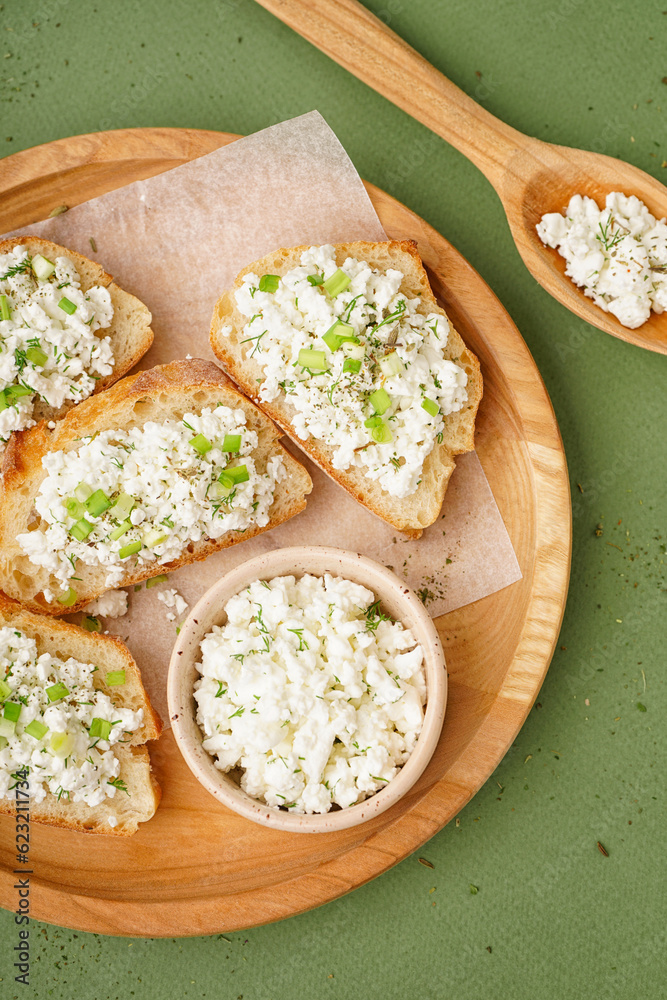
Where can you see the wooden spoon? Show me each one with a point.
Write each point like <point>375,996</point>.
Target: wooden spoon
<point>530,177</point>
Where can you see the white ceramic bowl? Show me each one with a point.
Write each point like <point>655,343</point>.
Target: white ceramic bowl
<point>396,599</point>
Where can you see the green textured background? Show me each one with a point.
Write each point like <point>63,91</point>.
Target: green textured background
<point>553,918</point>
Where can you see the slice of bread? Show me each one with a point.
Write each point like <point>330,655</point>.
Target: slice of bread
<point>415,512</point>
<point>130,332</point>
<point>107,653</point>
<point>167,391</point>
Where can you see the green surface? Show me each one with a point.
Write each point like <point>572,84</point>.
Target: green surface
<point>553,917</point>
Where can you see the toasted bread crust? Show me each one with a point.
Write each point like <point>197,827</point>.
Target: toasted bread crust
<point>130,331</point>
<point>411,514</point>
<point>107,653</point>
<point>159,392</point>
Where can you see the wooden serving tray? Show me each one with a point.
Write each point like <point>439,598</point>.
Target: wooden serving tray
<point>197,868</point>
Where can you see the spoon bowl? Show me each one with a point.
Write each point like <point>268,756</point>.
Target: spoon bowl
<point>531,177</point>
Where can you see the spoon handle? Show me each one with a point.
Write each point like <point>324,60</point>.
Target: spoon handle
<point>361,43</point>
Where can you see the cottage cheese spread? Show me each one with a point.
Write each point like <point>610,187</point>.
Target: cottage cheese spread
<point>390,346</point>
<point>311,690</point>
<point>58,712</point>
<point>113,604</point>
<point>48,347</point>
<point>146,493</point>
<point>618,255</point>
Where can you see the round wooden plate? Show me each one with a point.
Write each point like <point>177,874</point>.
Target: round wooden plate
<point>197,868</point>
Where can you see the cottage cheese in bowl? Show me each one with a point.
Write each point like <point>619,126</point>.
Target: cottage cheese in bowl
<point>307,689</point>
<point>311,690</point>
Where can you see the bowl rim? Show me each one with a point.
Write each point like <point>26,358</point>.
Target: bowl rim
<point>294,560</point>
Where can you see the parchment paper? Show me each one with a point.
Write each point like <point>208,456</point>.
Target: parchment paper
<point>177,241</point>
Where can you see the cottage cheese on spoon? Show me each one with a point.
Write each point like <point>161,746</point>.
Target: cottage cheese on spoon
<point>618,254</point>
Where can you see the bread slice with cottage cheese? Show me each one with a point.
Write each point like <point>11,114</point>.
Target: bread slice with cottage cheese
<point>165,392</point>
<point>130,333</point>
<point>410,514</point>
<point>125,810</point>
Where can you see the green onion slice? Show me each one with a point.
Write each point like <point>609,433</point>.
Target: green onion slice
<point>391,364</point>
<point>67,306</point>
<point>201,444</point>
<point>100,728</point>
<point>74,508</point>
<point>269,283</point>
<point>130,549</point>
<point>122,507</point>
<point>232,443</point>
<point>12,711</point>
<point>226,481</point>
<point>153,582</point>
<point>97,503</point>
<point>5,311</point>
<point>83,491</point>
<point>91,624</point>
<point>430,406</point>
<point>155,537</point>
<point>37,356</point>
<point>69,598</point>
<point>5,689</point>
<point>42,267</point>
<point>337,283</point>
<point>352,365</point>
<point>316,279</point>
<point>120,530</point>
<point>81,530</point>
<point>237,473</point>
<point>315,360</point>
<point>382,434</point>
<point>36,729</point>
<point>338,334</point>
<point>57,691</point>
<point>380,400</point>
<point>115,677</point>
<point>62,744</point>
<point>373,421</point>
<point>7,728</point>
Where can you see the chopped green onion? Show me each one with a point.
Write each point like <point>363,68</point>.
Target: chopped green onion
<point>217,491</point>
<point>67,306</point>
<point>338,334</point>
<point>62,744</point>
<point>3,401</point>
<point>391,364</point>
<point>269,283</point>
<point>315,360</point>
<point>36,356</point>
<point>353,349</point>
<point>5,311</point>
<point>83,491</point>
<point>373,421</point>
<point>238,473</point>
<point>12,711</point>
<point>200,444</point>
<point>91,624</point>
<point>352,365</point>
<point>97,503</point>
<point>115,677</point>
<point>382,434</point>
<point>74,508</point>
<point>337,283</point>
<point>3,742</point>
<point>69,598</point>
<point>120,530</point>
<point>7,728</point>
<point>129,550</point>
<point>13,392</point>
<point>100,728</point>
<point>316,279</point>
<point>155,537</point>
<point>153,582</point>
<point>430,406</point>
<point>380,400</point>
<point>122,507</point>
<point>5,689</point>
<point>226,481</point>
<point>81,530</point>
<point>36,729</point>
<point>232,442</point>
<point>57,691</point>
<point>42,267</point>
